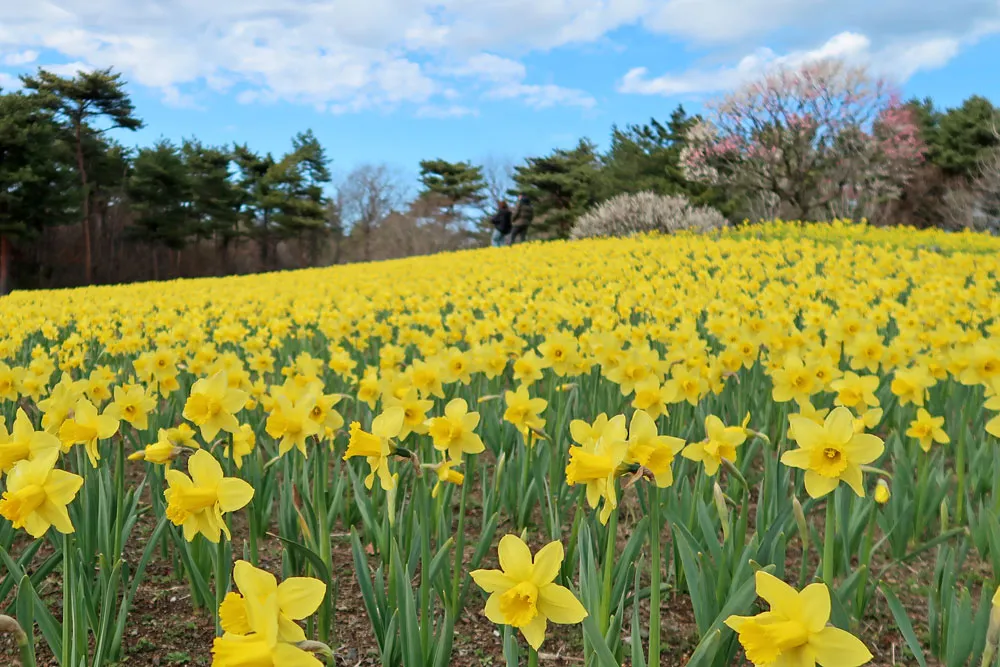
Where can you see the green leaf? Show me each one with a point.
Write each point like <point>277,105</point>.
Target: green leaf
<point>51,629</point>
<point>704,654</point>
<point>25,605</point>
<point>596,639</point>
<point>375,613</point>
<point>904,625</point>
<point>319,567</point>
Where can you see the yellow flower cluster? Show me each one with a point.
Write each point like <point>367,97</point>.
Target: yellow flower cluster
<point>842,329</point>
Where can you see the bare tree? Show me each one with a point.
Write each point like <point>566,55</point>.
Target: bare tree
<point>977,206</point>
<point>498,172</point>
<point>823,138</point>
<point>366,197</point>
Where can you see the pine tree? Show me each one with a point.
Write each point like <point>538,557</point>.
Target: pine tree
<point>254,189</point>
<point>964,137</point>
<point>561,185</point>
<point>453,184</point>
<point>36,181</point>
<point>160,194</point>
<point>215,198</point>
<point>89,96</point>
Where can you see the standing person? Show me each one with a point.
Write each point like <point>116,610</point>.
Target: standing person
<point>524,213</point>
<point>501,224</point>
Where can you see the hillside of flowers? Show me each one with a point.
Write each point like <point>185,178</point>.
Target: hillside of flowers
<point>773,445</point>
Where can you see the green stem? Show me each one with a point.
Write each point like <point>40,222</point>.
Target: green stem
<point>829,538</point>
<point>67,609</point>
<point>960,470</point>
<point>460,546</point>
<point>532,657</point>
<point>119,497</point>
<point>221,575</point>
<point>609,566</point>
<point>866,559</point>
<point>654,576</point>
<point>27,646</point>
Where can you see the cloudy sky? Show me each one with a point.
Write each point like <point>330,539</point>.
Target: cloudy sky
<point>401,80</point>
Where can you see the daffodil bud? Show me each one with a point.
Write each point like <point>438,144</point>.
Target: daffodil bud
<point>800,521</point>
<point>993,632</point>
<point>944,515</point>
<point>319,648</point>
<point>722,508</point>
<point>882,493</point>
<point>9,626</point>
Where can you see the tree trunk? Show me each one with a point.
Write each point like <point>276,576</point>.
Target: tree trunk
<point>88,269</point>
<point>177,263</point>
<point>156,264</point>
<point>4,264</point>
<point>222,254</point>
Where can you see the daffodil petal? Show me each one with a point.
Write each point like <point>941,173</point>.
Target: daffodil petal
<point>534,631</point>
<point>559,605</point>
<point>492,581</point>
<point>834,647</point>
<point>784,599</point>
<point>515,557</point>
<point>547,562</point>
<point>815,599</point>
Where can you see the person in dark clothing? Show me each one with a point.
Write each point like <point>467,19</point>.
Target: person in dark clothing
<point>501,224</point>
<point>524,213</point>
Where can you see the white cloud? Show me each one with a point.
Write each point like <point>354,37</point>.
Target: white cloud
<point>489,67</point>
<point>506,79</point>
<point>719,21</point>
<point>897,60</point>
<point>446,111</point>
<point>9,82</point>
<point>20,58</point>
<point>70,69</point>
<point>348,55</point>
<point>339,54</point>
<point>544,96</point>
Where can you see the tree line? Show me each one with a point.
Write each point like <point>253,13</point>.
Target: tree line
<point>77,206</point>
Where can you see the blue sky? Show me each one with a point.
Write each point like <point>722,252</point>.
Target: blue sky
<point>399,80</point>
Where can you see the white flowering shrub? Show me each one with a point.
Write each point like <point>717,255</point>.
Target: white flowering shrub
<point>644,212</point>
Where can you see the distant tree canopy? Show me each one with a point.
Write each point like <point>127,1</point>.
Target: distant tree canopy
<point>75,203</point>
<point>958,140</point>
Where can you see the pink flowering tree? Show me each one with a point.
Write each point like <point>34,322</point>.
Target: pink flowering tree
<point>823,140</point>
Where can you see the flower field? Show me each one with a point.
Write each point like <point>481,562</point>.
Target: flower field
<point>774,445</point>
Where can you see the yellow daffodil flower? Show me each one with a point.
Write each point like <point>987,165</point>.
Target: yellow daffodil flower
<point>523,594</point>
<point>795,630</point>
<point>455,432</point>
<point>197,502</point>
<point>24,442</point>
<point>37,495</point>
<point>134,406</point>
<point>213,404</point>
<point>595,462</point>
<point>719,445</point>
<point>651,450</point>
<point>376,446</point>
<point>926,430</point>
<point>831,453</point>
<point>86,427</point>
<point>523,411</point>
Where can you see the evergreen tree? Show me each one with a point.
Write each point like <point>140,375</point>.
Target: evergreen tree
<point>36,181</point>
<point>89,96</point>
<point>964,137</point>
<point>452,184</point>
<point>561,185</point>
<point>215,198</point>
<point>160,193</point>
<point>254,189</point>
<point>296,192</point>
